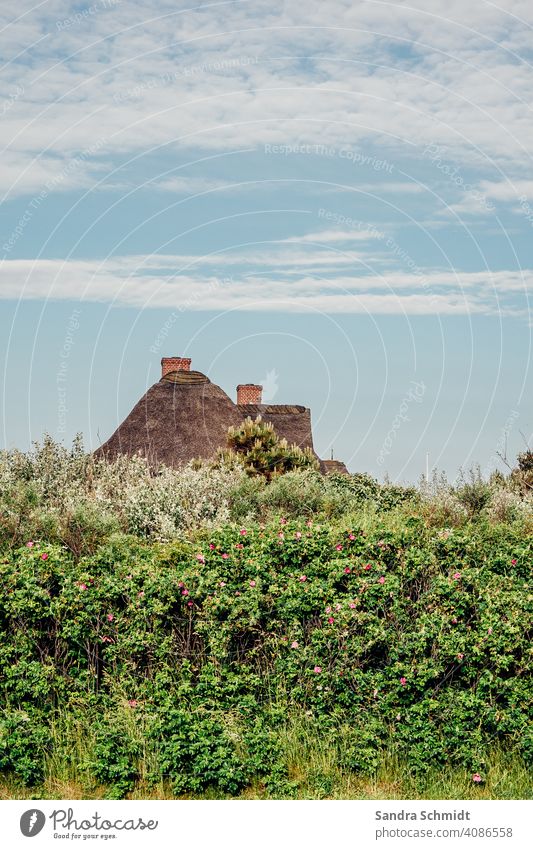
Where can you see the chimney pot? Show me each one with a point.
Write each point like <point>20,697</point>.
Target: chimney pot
<point>249,393</point>
<point>169,364</point>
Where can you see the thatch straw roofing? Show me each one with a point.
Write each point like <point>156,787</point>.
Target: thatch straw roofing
<point>185,416</point>
<point>330,467</point>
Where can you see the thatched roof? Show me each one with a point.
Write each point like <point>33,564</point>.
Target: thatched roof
<point>181,417</point>
<point>330,467</point>
<point>185,416</point>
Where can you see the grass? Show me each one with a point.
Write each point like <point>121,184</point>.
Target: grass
<point>313,769</point>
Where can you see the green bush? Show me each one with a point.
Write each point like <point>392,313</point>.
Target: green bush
<point>189,659</point>
<point>203,629</point>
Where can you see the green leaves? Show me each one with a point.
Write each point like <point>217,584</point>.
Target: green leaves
<point>186,659</point>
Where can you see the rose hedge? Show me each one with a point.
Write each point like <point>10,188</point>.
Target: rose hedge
<point>184,660</point>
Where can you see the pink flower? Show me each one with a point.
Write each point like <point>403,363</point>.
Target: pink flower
<point>489,631</point>
<point>239,545</point>
<point>83,586</point>
<point>295,644</point>
<point>200,558</point>
<point>44,556</point>
<point>225,556</point>
<point>222,584</point>
<point>281,535</point>
<point>351,536</point>
<point>133,702</point>
<point>189,604</point>
<point>252,583</point>
<point>347,570</point>
<point>30,544</point>
<point>212,546</point>
<point>317,670</point>
<point>476,777</point>
<point>107,640</point>
<point>303,578</point>
<point>460,656</point>
<point>454,620</point>
<point>283,521</point>
<point>330,620</point>
<point>110,617</point>
<point>298,535</point>
<point>403,681</point>
<point>141,594</point>
<point>237,592</point>
<point>185,592</point>
<point>367,566</point>
<point>338,547</point>
<point>514,562</point>
<point>381,580</point>
<point>328,609</point>
<point>352,605</point>
<point>181,584</point>
<point>382,544</point>
<point>309,523</point>
<point>456,576</point>
<point>242,532</point>
<point>129,577</point>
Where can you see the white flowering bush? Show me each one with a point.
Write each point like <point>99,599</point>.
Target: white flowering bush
<point>71,497</point>
<point>508,506</point>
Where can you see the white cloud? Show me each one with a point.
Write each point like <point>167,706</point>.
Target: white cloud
<point>386,75</point>
<point>149,282</point>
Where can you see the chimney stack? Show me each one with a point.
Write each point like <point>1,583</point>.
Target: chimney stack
<point>169,364</point>
<point>249,393</point>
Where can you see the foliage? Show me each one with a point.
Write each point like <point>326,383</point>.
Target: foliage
<point>258,447</point>
<point>220,634</point>
<point>189,660</point>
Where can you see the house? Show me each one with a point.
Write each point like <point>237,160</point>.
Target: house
<point>185,416</point>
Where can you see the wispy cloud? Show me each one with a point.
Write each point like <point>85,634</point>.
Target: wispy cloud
<point>150,282</point>
<point>220,75</point>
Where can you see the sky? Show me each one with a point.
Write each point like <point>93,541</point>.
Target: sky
<point>333,199</point>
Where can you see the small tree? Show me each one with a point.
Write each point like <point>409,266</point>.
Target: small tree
<point>257,446</point>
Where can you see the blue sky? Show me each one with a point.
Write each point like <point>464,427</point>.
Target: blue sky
<point>334,199</point>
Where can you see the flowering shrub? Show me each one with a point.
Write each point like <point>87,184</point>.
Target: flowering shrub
<point>184,660</point>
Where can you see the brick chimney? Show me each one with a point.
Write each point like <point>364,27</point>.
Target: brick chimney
<point>169,364</point>
<point>249,393</point>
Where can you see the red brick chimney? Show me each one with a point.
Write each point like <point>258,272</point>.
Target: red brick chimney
<point>169,364</point>
<point>249,393</point>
